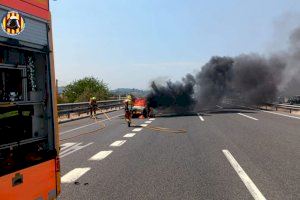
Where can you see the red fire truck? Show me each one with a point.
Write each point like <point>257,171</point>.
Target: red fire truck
<point>29,143</point>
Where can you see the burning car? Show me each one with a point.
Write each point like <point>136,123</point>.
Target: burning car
<point>139,107</point>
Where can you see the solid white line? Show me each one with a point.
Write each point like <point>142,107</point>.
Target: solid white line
<point>148,122</point>
<point>118,143</point>
<point>152,119</point>
<point>101,155</point>
<point>144,125</point>
<point>129,135</point>
<point>219,106</point>
<point>294,117</point>
<point>74,175</point>
<point>75,129</point>
<point>200,117</point>
<point>257,195</point>
<point>247,116</point>
<point>137,129</point>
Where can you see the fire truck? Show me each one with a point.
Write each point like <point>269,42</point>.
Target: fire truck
<point>29,143</point>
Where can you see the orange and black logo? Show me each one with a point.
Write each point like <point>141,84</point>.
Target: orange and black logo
<point>13,23</point>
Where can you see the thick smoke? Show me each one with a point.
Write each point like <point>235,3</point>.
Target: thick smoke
<point>249,78</point>
<point>176,96</point>
<point>256,78</point>
<point>213,81</point>
<point>290,84</point>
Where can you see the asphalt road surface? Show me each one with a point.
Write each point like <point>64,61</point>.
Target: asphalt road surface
<point>228,153</point>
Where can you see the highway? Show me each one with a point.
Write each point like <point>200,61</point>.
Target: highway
<point>226,153</point>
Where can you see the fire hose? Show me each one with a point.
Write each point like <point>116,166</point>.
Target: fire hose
<point>103,126</point>
<point>154,128</point>
<point>163,129</point>
<point>100,123</point>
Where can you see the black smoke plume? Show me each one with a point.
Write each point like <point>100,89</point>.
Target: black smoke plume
<point>248,78</point>
<point>176,96</point>
<point>213,81</point>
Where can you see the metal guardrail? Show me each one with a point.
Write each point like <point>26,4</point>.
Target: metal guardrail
<point>83,107</point>
<point>284,106</point>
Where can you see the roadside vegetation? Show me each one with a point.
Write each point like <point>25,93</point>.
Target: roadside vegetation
<point>83,89</point>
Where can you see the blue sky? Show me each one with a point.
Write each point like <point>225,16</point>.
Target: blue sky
<point>128,43</point>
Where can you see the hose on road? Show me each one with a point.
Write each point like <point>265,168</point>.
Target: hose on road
<point>102,126</point>
<point>163,129</point>
<point>100,123</point>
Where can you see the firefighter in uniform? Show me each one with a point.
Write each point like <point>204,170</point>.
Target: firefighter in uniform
<point>93,106</point>
<point>128,109</point>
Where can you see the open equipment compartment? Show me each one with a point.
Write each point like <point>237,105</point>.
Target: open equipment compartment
<point>25,109</point>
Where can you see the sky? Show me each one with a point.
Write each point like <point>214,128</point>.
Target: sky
<point>129,43</point>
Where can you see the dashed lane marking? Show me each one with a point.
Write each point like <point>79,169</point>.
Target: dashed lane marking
<point>148,122</point>
<point>144,125</point>
<point>152,119</point>
<point>128,135</point>
<point>200,117</point>
<point>118,143</point>
<point>74,175</point>
<point>101,155</point>
<point>75,129</point>
<point>247,116</point>
<point>257,195</point>
<point>137,129</point>
<point>69,148</point>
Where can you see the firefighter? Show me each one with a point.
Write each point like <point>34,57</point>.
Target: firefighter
<point>150,112</point>
<point>93,106</point>
<point>128,109</point>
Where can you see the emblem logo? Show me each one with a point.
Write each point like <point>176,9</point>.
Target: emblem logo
<point>13,23</point>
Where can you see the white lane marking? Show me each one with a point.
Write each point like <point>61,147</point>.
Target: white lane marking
<point>294,117</point>
<point>247,116</point>
<point>129,135</point>
<point>219,106</point>
<point>117,143</point>
<point>72,149</point>
<point>148,122</point>
<point>144,125</point>
<point>200,117</point>
<point>75,174</point>
<point>66,145</point>
<point>75,129</point>
<point>152,119</point>
<point>275,113</point>
<point>137,129</point>
<point>257,195</point>
<point>101,155</point>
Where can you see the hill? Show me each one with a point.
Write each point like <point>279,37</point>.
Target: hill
<point>125,91</point>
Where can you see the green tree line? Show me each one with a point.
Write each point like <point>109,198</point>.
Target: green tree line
<point>83,89</point>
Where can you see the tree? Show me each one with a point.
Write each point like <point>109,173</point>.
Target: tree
<point>83,89</point>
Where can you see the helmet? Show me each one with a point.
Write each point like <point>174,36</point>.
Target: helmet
<point>129,97</point>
